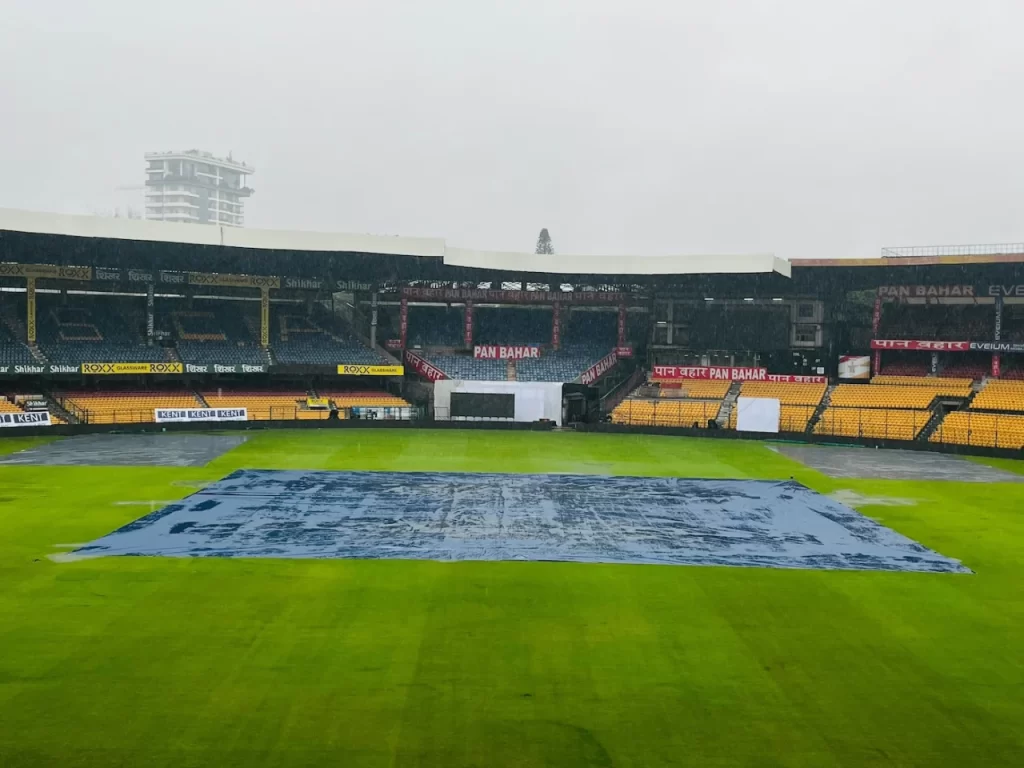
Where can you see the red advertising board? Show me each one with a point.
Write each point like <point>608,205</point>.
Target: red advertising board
<point>622,325</point>
<point>498,352</point>
<point>393,344</point>
<point>679,373</point>
<point>785,378</point>
<point>467,336</point>
<point>624,351</point>
<point>556,325</point>
<point>423,368</point>
<point>929,346</point>
<point>599,369</point>
<point>403,321</point>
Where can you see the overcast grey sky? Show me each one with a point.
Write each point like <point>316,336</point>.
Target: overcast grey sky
<point>808,128</point>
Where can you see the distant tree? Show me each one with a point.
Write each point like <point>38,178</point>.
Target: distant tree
<point>544,242</point>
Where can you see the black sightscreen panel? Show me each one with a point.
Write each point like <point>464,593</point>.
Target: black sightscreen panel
<point>481,405</point>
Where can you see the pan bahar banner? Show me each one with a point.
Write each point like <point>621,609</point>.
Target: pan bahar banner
<point>113,369</point>
<point>169,415</point>
<point>599,369</point>
<point>930,346</point>
<point>371,370</point>
<point>33,419</point>
<point>720,373</point>
<point>423,368</point>
<point>497,352</point>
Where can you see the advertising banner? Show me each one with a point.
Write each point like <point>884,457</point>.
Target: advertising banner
<point>516,297</point>
<point>678,373</point>
<point>930,346</point>
<point>556,325</point>
<point>1005,291</point>
<point>303,283</point>
<point>599,369</point>
<point>997,346</point>
<point>876,323</point>
<point>218,368</point>
<point>423,368</point>
<point>622,325</point>
<point>165,415</point>
<point>45,270</point>
<point>393,344</point>
<point>235,281</point>
<point>318,403</point>
<point>624,351</point>
<point>467,336</point>
<point>854,367</point>
<point>35,370</point>
<point>787,378</point>
<point>104,369</point>
<point>371,370</point>
<point>498,352</point>
<point>34,419</point>
<point>403,322</point>
<point>897,292</point>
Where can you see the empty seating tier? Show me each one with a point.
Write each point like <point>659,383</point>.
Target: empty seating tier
<point>989,430</point>
<point>786,394</point>
<point>700,390</point>
<point>1000,396</point>
<point>884,396</point>
<point>888,423</point>
<point>944,385</point>
<point>263,406</point>
<point>125,407</point>
<point>666,413</point>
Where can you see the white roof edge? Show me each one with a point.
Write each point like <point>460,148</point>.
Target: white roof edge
<point>694,264</point>
<point>274,239</point>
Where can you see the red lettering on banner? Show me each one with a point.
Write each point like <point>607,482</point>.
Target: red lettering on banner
<point>403,321</point>
<point>930,346</point>
<point>625,351</point>
<point>598,369</point>
<point>622,325</point>
<point>714,372</point>
<point>423,368</point>
<point>556,325</point>
<point>468,327</point>
<point>516,297</point>
<point>783,378</point>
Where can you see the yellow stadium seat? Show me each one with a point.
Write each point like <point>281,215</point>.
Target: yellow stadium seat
<point>990,430</point>
<point>1000,396</point>
<point>888,423</point>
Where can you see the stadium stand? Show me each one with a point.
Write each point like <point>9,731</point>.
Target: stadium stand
<point>364,398</point>
<point>701,390</point>
<point>566,364</point>
<point>1000,396</point>
<point>262,406</point>
<point>218,333</point>
<point>905,368</point>
<point>891,396</point>
<point>125,407</point>
<point>957,387</point>
<point>665,413</point>
<point>301,340</point>
<point>94,329</point>
<point>512,325</point>
<point>966,369</point>
<point>436,326</point>
<point>879,422</point>
<point>13,351</point>
<point>988,430</point>
<point>785,393</point>
<point>953,322</point>
<point>792,418</point>
<point>467,368</point>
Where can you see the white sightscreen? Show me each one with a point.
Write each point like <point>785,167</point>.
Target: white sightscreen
<point>758,414</point>
<point>534,400</point>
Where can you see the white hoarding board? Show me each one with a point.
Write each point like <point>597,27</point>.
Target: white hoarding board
<point>166,415</point>
<point>758,414</point>
<point>30,419</point>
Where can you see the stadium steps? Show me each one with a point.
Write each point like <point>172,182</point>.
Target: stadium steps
<point>510,370</point>
<point>70,413</point>
<point>348,321</point>
<point>728,403</point>
<point>826,400</point>
<point>16,325</point>
<point>200,399</point>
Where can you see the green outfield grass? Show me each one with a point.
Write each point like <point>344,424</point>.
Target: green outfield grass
<point>205,662</point>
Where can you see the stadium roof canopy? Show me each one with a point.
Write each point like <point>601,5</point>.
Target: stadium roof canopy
<point>157,232</point>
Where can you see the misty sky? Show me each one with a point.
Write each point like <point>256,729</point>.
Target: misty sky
<point>805,128</point>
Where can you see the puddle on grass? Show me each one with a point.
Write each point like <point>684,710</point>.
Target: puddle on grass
<point>853,499</point>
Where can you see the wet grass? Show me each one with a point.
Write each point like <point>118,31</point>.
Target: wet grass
<point>165,662</point>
